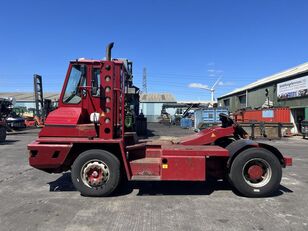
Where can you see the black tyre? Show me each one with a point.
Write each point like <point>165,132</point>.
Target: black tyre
<point>96,173</point>
<point>2,134</point>
<point>256,172</point>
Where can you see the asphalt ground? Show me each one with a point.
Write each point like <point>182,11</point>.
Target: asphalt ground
<point>33,200</point>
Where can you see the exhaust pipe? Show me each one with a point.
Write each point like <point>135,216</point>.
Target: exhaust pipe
<point>108,51</point>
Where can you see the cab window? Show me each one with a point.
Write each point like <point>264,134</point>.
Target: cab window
<point>77,78</point>
<point>96,82</point>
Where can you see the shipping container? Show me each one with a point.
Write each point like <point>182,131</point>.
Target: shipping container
<point>186,123</point>
<point>209,115</point>
<point>272,115</point>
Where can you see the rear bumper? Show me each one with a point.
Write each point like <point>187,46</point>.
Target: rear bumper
<point>47,156</point>
<point>287,161</point>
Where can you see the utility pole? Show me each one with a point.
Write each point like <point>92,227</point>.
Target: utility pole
<point>144,81</point>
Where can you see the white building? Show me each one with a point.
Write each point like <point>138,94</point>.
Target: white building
<point>151,105</point>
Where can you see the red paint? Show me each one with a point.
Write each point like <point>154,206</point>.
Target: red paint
<point>161,160</point>
<point>95,175</point>
<point>280,115</point>
<point>255,172</point>
<point>146,167</point>
<point>153,152</point>
<point>29,123</point>
<point>69,140</point>
<point>64,116</point>
<point>190,168</point>
<point>125,161</point>
<point>45,155</point>
<point>193,150</point>
<point>207,136</point>
<point>85,130</point>
<point>287,160</point>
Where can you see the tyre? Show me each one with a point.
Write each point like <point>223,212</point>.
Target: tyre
<point>96,173</point>
<point>256,172</point>
<point>2,134</point>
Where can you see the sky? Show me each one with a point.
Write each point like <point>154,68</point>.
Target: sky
<point>180,43</point>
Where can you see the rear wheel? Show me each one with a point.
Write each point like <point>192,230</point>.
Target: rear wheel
<point>256,172</point>
<point>2,134</point>
<point>96,173</point>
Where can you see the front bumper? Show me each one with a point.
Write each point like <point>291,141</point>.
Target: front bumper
<point>47,156</point>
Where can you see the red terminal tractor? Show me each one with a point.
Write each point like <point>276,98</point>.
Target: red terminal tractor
<point>92,134</point>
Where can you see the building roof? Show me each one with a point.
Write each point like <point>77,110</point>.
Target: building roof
<point>28,96</point>
<point>157,98</point>
<point>279,76</point>
<point>195,101</point>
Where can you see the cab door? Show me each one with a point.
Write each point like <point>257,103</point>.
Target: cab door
<point>95,89</point>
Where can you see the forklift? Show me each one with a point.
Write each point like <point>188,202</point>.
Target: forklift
<point>89,135</point>
<point>35,117</point>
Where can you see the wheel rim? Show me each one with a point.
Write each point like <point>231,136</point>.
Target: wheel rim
<point>95,173</point>
<point>257,172</point>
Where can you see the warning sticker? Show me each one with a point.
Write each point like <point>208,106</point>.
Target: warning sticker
<point>165,166</point>
<point>213,135</point>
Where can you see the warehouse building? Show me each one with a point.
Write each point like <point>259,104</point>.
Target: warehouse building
<point>151,105</point>
<point>285,89</point>
<point>26,99</point>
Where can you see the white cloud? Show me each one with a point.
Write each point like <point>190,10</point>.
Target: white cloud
<point>198,85</point>
<point>221,83</point>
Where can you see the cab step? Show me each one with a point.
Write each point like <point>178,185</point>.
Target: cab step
<point>153,152</point>
<point>145,167</point>
<point>146,178</point>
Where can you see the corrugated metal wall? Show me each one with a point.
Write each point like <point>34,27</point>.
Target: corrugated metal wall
<point>151,111</point>
<point>276,115</point>
<point>256,97</point>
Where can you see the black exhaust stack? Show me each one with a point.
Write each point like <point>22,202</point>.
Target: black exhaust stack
<point>108,51</point>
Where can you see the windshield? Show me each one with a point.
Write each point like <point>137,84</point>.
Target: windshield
<point>76,79</point>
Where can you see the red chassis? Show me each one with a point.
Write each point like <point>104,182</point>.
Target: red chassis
<point>186,159</point>
<point>89,135</point>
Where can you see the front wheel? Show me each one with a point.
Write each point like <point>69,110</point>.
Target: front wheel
<point>256,172</point>
<point>96,173</point>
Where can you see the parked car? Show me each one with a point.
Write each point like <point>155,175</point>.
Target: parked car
<point>16,122</point>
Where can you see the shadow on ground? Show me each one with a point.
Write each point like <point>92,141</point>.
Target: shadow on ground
<point>64,183</point>
<point>8,142</point>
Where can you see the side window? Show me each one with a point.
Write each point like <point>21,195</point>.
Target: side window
<point>96,82</point>
<point>76,79</point>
